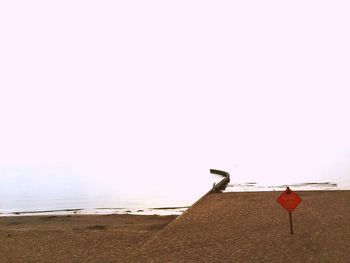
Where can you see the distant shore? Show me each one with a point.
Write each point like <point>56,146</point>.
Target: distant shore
<point>100,211</point>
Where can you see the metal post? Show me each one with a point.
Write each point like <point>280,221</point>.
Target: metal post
<point>291,223</point>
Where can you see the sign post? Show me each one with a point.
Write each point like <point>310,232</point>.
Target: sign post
<point>291,223</point>
<point>289,201</point>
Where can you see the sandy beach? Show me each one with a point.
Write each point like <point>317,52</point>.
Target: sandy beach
<point>228,227</point>
<point>86,238</point>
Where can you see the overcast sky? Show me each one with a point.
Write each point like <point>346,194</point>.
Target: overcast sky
<point>159,92</point>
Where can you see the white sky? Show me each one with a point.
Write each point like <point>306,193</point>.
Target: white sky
<point>157,92</point>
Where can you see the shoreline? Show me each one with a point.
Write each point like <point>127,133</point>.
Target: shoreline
<point>162,211</point>
<point>221,227</point>
<point>231,187</point>
<point>166,210</point>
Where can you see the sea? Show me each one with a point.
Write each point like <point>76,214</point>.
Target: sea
<point>159,201</point>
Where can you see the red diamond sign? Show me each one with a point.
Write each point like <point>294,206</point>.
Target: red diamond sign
<point>289,200</point>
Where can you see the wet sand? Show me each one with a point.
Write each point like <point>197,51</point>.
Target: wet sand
<point>229,227</point>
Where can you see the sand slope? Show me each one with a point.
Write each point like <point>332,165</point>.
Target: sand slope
<point>252,227</point>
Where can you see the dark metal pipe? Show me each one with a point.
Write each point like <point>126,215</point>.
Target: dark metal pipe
<point>221,186</point>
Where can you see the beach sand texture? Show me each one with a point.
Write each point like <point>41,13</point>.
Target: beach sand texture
<point>252,227</point>
<point>228,227</point>
<point>86,238</point>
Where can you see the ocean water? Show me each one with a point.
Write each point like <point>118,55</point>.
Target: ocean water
<point>43,199</point>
